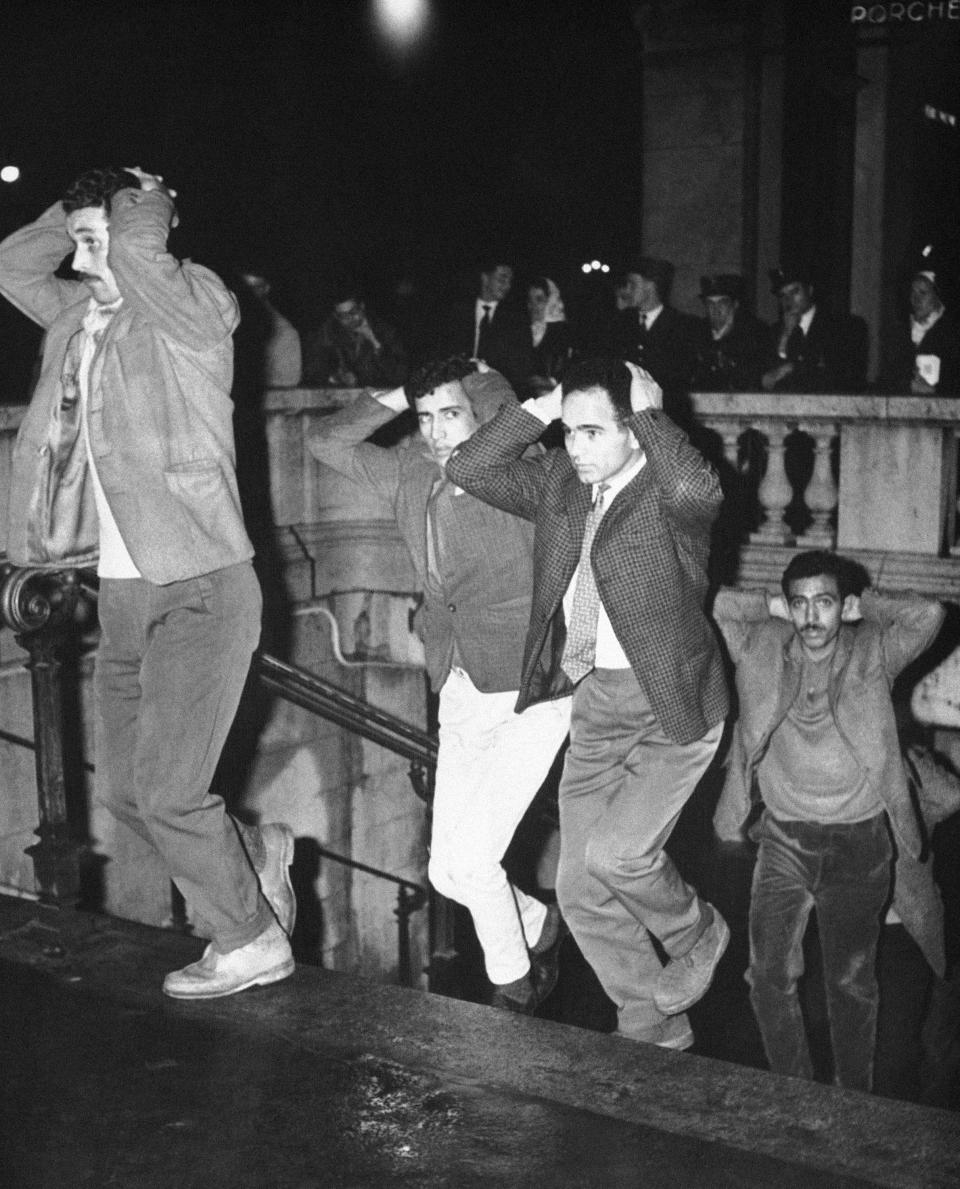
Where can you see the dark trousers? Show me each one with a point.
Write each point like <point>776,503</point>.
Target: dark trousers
<point>843,871</point>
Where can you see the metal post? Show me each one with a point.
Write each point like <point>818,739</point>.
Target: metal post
<point>39,606</point>
<point>409,900</point>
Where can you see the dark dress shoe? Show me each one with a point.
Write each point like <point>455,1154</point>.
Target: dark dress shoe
<point>520,996</point>
<point>545,966</point>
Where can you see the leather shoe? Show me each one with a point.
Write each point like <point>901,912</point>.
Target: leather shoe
<point>685,980</point>
<point>519,996</point>
<point>275,877</point>
<point>545,965</point>
<point>266,959</point>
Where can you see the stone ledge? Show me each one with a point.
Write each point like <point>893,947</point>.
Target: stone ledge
<point>754,1127</point>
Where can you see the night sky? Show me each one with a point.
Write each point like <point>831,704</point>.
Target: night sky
<point>303,147</point>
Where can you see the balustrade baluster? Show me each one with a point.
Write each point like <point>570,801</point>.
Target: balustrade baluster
<point>774,492</point>
<point>821,494</point>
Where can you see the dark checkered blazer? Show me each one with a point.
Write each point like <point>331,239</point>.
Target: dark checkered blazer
<point>649,557</point>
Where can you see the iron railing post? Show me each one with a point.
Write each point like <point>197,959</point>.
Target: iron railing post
<point>39,606</point>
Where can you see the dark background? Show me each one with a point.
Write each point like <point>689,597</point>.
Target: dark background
<point>301,144</point>
<point>305,146</point>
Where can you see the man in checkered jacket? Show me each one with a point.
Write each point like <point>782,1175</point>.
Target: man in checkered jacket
<point>649,694</point>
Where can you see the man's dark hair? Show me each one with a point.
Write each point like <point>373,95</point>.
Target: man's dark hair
<point>660,272</point>
<point>492,262</point>
<point>346,289</point>
<point>849,576</point>
<point>435,373</point>
<point>612,375</point>
<point>97,187</point>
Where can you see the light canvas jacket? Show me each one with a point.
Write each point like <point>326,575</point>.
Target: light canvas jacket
<point>868,657</point>
<point>159,412</point>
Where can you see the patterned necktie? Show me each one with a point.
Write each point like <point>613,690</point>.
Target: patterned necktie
<point>581,647</point>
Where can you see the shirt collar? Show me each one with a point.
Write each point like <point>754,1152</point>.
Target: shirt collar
<point>617,484</point>
<point>98,315</point>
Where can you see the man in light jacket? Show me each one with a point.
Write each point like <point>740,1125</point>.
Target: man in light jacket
<point>125,461</point>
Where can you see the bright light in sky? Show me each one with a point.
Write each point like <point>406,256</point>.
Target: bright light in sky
<point>9,173</point>
<point>402,20</point>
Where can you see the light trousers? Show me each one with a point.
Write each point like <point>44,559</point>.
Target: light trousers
<point>490,765</point>
<point>170,670</point>
<point>624,784</point>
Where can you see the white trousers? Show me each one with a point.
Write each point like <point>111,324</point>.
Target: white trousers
<point>490,765</point>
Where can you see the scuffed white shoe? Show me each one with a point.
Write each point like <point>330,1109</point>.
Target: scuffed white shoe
<point>685,980</point>
<point>266,959</point>
<point>673,1032</point>
<point>274,879</point>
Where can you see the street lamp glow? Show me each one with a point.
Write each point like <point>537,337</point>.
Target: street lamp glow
<point>9,173</point>
<point>401,20</point>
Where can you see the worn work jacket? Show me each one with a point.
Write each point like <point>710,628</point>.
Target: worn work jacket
<point>867,658</point>
<point>159,410</point>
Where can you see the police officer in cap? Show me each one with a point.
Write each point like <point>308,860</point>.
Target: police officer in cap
<point>810,349</point>
<point>730,342</point>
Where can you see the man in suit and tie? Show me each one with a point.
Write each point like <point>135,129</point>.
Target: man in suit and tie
<point>489,328</point>
<point>810,350</point>
<point>622,524</point>
<point>653,335</point>
<point>475,567</point>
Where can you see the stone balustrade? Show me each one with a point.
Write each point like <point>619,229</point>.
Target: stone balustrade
<point>876,479</point>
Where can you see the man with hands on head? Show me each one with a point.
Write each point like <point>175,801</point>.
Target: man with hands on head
<point>125,461</point>
<point>817,738</point>
<point>475,567</point>
<point>622,522</point>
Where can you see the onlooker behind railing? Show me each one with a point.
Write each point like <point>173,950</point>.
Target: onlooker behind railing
<point>550,335</point>
<point>730,343</point>
<point>489,325</point>
<point>924,357</point>
<point>652,334</point>
<point>278,357</point>
<point>353,348</point>
<point>812,349</point>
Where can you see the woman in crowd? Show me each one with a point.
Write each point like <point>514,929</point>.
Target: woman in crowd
<point>550,335</point>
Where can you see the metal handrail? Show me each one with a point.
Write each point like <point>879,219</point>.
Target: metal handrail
<point>312,693</point>
<point>346,709</point>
